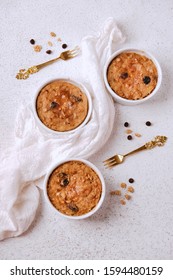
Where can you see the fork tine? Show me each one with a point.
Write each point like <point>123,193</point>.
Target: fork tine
<point>72,55</point>
<point>107,160</point>
<point>76,49</point>
<point>109,165</point>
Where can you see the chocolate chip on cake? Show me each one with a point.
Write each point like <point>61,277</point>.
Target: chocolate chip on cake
<point>73,207</point>
<point>64,182</point>
<point>124,75</point>
<point>53,104</point>
<point>146,80</point>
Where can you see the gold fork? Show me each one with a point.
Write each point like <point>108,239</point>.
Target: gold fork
<point>24,74</point>
<point>117,159</point>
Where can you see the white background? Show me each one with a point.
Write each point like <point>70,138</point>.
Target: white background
<point>143,229</point>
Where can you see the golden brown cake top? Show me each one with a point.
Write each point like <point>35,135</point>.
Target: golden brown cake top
<point>74,188</point>
<point>132,76</point>
<point>61,105</point>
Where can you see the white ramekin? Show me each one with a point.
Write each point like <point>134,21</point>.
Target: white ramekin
<point>102,194</point>
<point>51,131</point>
<point>122,100</point>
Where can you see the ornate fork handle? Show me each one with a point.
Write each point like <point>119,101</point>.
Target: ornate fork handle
<point>24,74</point>
<point>158,141</point>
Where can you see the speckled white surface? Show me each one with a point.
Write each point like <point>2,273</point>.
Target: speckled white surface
<point>143,229</point>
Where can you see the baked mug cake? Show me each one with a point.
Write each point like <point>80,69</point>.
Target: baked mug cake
<point>75,188</point>
<point>62,105</point>
<point>132,76</point>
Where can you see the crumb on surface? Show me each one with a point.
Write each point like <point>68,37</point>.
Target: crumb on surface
<point>53,34</point>
<point>50,43</point>
<point>138,135</point>
<point>127,196</point>
<point>116,192</point>
<point>122,201</point>
<point>131,189</point>
<point>123,185</point>
<point>129,131</point>
<point>37,48</point>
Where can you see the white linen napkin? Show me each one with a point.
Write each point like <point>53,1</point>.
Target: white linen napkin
<point>27,161</point>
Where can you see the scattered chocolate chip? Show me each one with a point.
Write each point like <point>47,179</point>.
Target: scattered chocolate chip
<point>148,123</point>
<point>53,104</point>
<point>64,182</point>
<point>146,80</point>
<point>126,124</point>
<point>32,41</point>
<point>73,207</point>
<point>48,51</point>
<point>124,75</point>
<point>129,137</point>
<point>64,46</point>
<point>131,180</point>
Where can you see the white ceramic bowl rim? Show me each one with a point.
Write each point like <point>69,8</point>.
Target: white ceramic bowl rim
<point>79,85</point>
<point>98,173</point>
<point>144,53</point>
